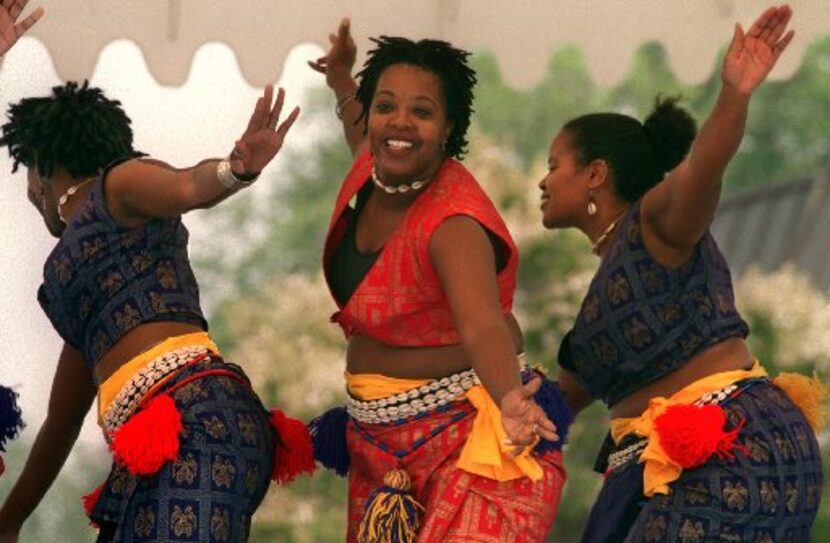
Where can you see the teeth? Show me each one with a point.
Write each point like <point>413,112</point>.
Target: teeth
<point>399,144</point>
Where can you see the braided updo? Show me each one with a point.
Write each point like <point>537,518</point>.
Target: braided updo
<point>639,154</point>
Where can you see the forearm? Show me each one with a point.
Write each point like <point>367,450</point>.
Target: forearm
<point>48,454</point>
<point>719,138</point>
<point>350,109</point>
<point>490,350</point>
<point>576,397</point>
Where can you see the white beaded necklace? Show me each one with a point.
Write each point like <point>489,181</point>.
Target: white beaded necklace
<point>69,194</point>
<point>397,189</point>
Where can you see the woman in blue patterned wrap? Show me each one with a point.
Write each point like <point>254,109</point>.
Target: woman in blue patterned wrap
<point>703,446</point>
<point>193,445</point>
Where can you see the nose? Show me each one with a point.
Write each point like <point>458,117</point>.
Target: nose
<point>400,117</point>
<point>542,183</point>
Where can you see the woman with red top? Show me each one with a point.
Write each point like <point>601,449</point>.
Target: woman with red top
<point>423,270</point>
<point>703,445</point>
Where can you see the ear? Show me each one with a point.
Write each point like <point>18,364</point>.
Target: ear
<point>599,174</point>
<point>448,131</point>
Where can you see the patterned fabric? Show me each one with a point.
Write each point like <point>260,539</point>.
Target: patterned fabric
<point>640,321</point>
<point>769,493</point>
<point>400,301</point>
<point>102,280</point>
<point>219,479</point>
<point>460,506</point>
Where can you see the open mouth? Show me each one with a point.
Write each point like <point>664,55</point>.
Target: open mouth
<point>398,144</point>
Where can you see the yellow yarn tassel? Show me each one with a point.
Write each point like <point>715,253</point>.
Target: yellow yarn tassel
<point>807,393</point>
<point>392,514</point>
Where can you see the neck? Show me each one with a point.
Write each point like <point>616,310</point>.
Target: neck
<point>72,191</point>
<point>602,226</point>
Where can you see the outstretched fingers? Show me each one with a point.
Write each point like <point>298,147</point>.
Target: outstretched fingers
<point>274,116</point>
<point>287,123</point>
<point>27,23</point>
<point>779,47</point>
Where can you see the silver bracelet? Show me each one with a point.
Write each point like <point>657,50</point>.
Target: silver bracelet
<point>226,176</point>
<point>342,102</point>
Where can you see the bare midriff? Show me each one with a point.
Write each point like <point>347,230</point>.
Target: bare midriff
<point>136,341</point>
<point>730,354</point>
<point>368,355</point>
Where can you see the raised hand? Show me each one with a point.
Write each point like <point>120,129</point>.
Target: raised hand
<point>10,10</point>
<point>751,56</point>
<point>523,420</point>
<point>338,62</point>
<point>262,139</point>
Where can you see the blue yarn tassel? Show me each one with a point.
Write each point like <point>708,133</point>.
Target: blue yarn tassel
<point>10,419</point>
<point>328,435</point>
<point>392,514</point>
<point>552,401</point>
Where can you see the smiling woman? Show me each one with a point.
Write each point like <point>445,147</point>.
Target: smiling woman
<point>423,270</point>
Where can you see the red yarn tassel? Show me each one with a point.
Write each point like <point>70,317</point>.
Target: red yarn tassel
<point>149,438</point>
<point>691,434</point>
<point>90,500</point>
<point>294,453</point>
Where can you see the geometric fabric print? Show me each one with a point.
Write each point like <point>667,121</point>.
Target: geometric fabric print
<point>184,521</point>
<point>223,473</point>
<point>185,471</point>
<point>692,530</point>
<point>220,525</point>
<point>735,494</point>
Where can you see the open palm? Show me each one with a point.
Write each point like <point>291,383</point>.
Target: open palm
<point>262,139</point>
<point>10,10</point>
<point>752,56</point>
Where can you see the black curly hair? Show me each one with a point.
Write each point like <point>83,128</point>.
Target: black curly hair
<point>638,154</point>
<point>77,128</point>
<point>448,63</point>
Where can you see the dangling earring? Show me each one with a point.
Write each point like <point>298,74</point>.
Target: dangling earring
<point>592,207</point>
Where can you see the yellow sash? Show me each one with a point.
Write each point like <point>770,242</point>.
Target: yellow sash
<point>110,388</point>
<point>660,470</point>
<point>484,452</point>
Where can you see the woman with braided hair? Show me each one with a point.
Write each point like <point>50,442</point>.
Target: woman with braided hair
<point>194,448</point>
<point>703,445</point>
<point>442,419</point>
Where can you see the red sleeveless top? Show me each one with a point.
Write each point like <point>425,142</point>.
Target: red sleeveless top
<point>400,301</point>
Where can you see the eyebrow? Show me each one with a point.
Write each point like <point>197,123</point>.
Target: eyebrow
<point>422,97</point>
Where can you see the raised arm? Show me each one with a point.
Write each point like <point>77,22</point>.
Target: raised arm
<point>680,208</point>
<point>10,31</point>
<point>464,259</point>
<point>140,190</point>
<point>337,66</point>
<point>71,396</point>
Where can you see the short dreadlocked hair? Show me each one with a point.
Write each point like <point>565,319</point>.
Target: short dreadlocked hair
<point>77,128</point>
<point>434,56</point>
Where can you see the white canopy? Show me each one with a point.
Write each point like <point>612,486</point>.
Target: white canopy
<point>522,34</point>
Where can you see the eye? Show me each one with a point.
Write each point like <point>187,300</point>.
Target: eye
<point>384,107</point>
<point>423,112</point>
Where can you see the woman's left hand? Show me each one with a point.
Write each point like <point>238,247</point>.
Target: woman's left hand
<point>752,56</point>
<point>262,139</point>
<point>10,31</point>
<point>523,420</point>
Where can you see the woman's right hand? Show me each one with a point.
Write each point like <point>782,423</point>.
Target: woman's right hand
<point>523,419</point>
<point>337,64</point>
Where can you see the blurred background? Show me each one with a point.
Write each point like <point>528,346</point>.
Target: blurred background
<point>189,78</point>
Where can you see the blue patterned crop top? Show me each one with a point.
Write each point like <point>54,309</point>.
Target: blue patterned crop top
<point>640,320</point>
<point>102,280</point>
